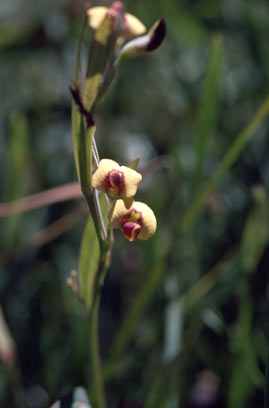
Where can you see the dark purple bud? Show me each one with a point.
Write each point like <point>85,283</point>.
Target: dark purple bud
<point>157,37</point>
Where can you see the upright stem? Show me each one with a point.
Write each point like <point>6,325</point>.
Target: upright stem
<point>99,391</point>
<point>98,382</point>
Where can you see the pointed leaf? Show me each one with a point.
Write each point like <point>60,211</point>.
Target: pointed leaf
<point>134,164</point>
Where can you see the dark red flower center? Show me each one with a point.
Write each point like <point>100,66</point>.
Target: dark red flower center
<point>114,182</point>
<point>131,230</point>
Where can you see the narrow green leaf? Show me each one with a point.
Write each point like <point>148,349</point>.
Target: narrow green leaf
<point>209,109</point>
<point>88,262</point>
<point>226,163</point>
<point>76,72</point>
<point>19,156</point>
<point>18,165</point>
<point>76,130</point>
<point>245,372</point>
<point>255,234</point>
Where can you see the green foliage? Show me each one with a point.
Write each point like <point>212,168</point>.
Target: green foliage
<point>209,107</point>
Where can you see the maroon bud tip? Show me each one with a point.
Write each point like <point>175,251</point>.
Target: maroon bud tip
<point>158,36</point>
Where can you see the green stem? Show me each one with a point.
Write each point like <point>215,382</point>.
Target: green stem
<point>88,194</point>
<point>99,389</point>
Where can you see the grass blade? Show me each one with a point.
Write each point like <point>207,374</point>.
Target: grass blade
<point>227,162</point>
<point>208,114</point>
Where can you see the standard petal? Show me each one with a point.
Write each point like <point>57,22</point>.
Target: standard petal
<point>104,167</point>
<point>133,26</point>
<point>149,223</point>
<point>95,16</point>
<point>118,211</point>
<point>131,181</point>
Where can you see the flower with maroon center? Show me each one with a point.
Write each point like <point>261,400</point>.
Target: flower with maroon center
<point>135,219</point>
<point>115,180</point>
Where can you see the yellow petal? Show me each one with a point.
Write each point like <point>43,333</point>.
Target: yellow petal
<point>131,180</point>
<point>134,26</point>
<point>118,211</point>
<point>104,167</point>
<point>149,223</point>
<point>96,16</point>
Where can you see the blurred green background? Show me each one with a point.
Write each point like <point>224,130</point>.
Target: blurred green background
<point>184,316</point>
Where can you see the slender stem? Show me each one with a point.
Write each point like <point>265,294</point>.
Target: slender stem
<point>95,216</point>
<point>98,382</point>
<point>99,391</point>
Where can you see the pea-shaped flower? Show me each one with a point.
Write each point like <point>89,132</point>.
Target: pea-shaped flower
<point>135,219</point>
<point>115,180</point>
<point>132,26</point>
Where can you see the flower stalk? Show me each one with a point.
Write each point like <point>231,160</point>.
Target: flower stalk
<point>112,27</point>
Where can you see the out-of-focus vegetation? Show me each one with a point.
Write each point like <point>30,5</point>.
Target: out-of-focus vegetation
<point>184,316</point>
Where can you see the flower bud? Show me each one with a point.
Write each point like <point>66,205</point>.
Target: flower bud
<point>115,180</point>
<point>135,219</point>
<point>132,26</point>
<point>147,43</point>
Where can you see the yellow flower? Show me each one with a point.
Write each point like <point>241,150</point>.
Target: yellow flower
<point>115,180</point>
<point>131,25</point>
<point>135,219</point>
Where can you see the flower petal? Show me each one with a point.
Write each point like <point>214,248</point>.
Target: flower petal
<point>133,26</point>
<point>95,16</point>
<point>123,213</point>
<point>104,167</point>
<point>149,223</point>
<point>131,180</point>
<point>118,211</point>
